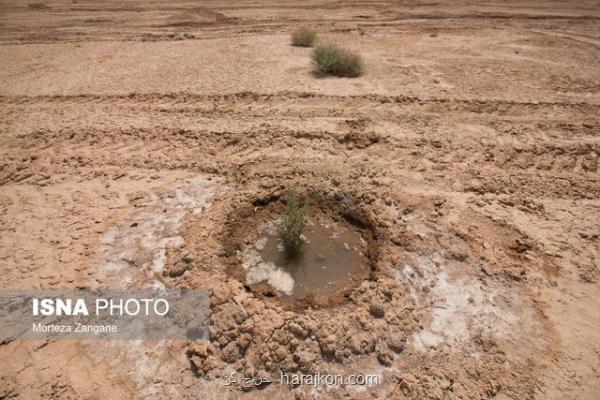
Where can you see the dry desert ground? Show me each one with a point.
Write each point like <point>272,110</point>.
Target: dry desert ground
<point>137,134</point>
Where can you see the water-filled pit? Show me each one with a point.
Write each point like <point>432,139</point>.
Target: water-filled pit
<point>331,259</point>
<point>336,254</point>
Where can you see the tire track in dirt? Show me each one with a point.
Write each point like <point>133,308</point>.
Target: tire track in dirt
<point>435,143</point>
<point>438,105</point>
<point>71,162</point>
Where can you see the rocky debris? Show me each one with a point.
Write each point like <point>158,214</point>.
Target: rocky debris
<point>375,322</point>
<point>407,383</point>
<point>7,387</point>
<point>359,140</point>
<point>305,361</point>
<point>385,358</point>
<point>245,329</point>
<point>396,342</point>
<point>461,257</point>
<point>516,273</point>
<point>230,353</point>
<point>341,354</point>
<point>366,285</point>
<point>202,358</point>
<point>176,270</point>
<point>297,330</point>
<point>187,257</point>
<point>376,310</point>
<point>266,198</point>
<point>487,343</point>
<point>328,345</point>
<point>222,293</point>
<point>362,343</point>
<point>521,245</point>
<point>589,273</point>
<point>244,341</point>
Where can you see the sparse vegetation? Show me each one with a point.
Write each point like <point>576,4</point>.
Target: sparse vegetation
<point>293,223</point>
<point>38,6</point>
<point>304,37</point>
<point>332,60</point>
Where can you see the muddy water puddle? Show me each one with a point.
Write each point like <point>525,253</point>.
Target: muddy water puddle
<point>331,259</point>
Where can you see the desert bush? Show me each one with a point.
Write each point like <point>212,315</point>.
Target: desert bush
<point>294,221</point>
<point>332,60</point>
<point>304,37</point>
<point>38,6</point>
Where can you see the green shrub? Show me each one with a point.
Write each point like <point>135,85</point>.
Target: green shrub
<point>332,60</point>
<point>292,226</point>
<point>304,37</point>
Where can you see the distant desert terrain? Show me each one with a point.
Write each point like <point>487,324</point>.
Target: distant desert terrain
<point>137,134</point>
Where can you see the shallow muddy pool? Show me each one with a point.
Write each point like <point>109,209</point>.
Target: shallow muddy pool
<point>330,260</point>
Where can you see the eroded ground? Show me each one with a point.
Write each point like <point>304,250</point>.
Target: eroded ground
<point>132,131</point>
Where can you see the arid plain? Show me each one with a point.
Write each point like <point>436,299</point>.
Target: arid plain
<point>137,134</point>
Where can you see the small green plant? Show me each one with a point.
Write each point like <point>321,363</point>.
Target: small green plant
<point>304,37</point>
<point>332,60</point>
<point>292,226</point>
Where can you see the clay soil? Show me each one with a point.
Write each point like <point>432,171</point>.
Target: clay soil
<point>133,134</point>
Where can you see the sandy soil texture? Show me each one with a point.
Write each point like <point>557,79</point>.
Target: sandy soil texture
<point>135,135</point>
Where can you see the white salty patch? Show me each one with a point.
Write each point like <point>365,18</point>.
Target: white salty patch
<point>462,308</point>
<point>275,277</point>
<point>260,243</point>
<point>137,244</point>
<point>270,228</point>
<point>250,258</point>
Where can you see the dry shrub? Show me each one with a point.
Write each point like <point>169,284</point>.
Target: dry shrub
<point>38,6</point>
<point>304,37</point>
<point>332,60</point>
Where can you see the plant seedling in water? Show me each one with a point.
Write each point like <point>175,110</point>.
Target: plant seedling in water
<point>293,224</point>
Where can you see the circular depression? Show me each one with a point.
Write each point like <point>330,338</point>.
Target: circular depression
<point>338,252</point>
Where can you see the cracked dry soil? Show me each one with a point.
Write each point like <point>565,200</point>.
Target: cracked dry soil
<point>143,143</point>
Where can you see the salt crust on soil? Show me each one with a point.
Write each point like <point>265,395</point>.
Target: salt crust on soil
<point>461,304</point>
<point>140,239</point>
<point>134,254</point>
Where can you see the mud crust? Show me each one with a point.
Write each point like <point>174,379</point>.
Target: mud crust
<point>404,313</point>
<point>471,144</point>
